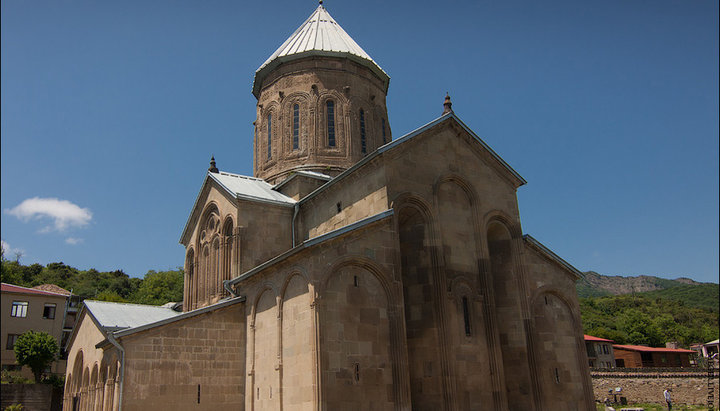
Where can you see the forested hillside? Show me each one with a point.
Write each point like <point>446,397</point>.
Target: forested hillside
<point>155,288</point>
<point>639,319</point>
<point>648,310</point>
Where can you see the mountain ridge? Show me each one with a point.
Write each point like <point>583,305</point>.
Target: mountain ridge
<point>691,292</point>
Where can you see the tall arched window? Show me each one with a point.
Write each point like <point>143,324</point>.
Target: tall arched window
<point>269,136</point>
<point>383,130</point>
<point>363,143</point>
<point>189,281</point>
<point>227,251</point>
<point>296,126</point>
<point>331,122</point>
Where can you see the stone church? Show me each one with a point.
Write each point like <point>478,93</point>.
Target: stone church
<point>353,271</point>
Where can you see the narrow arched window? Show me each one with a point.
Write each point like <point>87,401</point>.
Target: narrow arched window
<point>383,131</point>
<point>466,316</point>
<point>331,123</point>
<point>363,143</point>
<point>296,126</point>
<point>269,136</point>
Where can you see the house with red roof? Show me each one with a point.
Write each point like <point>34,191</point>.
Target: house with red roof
<point>639,356</point>
<point>46,308</point>
<point>600,352</point>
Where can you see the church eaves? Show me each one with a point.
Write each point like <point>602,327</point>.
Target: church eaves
<point>319,35</point>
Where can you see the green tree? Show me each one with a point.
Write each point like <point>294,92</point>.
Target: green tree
<point>110,296</point>
<point>158,288</point>
<point>37,350</point>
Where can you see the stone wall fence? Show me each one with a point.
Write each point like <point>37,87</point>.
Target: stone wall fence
<point>640,385</point>
<point>33,397</point>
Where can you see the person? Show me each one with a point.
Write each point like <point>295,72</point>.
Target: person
<point>666,393</point>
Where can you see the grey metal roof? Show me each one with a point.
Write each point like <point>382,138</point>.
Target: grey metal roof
<point>321,35</point>
<point>306,173</point>
<point>117,316</point>
<point>250,188</point>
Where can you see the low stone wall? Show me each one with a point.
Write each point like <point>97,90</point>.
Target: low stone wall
<point>33,397</point>
<point>688,387</point>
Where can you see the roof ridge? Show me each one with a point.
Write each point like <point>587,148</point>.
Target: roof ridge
<point>37,290</point>
<point>229,174</point>
<point>133,304</point>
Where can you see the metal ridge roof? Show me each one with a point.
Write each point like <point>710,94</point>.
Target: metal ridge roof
<point>179,316</point>
<point>116,316</point>
<point>240,187</point>
<point>250,188</point>
<point>319,35</point>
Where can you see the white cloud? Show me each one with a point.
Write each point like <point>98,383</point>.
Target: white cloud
<point>73,240</point>
<point>63,213</point>
<point>5,247</point>
<point>9,252</point>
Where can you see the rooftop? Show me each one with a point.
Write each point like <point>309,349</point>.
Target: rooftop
<point>118,316</point>
<point>591,338</point>
<point>319,35</point>
<point>643,348</point>
<point>10,288</point>
<point>250,188</point>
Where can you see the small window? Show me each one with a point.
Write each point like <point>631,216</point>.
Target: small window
<point>363,143</point>
<point>466,316</point>
<point>383,131</point>
<point>19,309</point>
<point>269,136</point>
<point>11,341</point>
<point>296,126</point>
<point>11,367</point>
<point>330,111</point>
<point>49,311</point>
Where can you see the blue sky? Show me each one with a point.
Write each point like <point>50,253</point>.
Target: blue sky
<point>111,111</point>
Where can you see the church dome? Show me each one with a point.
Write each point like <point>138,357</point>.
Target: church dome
<point>319,35</point>
<point>321,103</point>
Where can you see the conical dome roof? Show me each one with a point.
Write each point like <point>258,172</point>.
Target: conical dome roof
<point>319,35</point>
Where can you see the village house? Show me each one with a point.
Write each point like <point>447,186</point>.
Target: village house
<point>640,356</point>
<point>46,308</point>
<point>600,352</point>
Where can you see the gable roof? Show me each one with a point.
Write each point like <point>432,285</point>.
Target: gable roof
<point>239,187</point>
<point>451,116</point>
<point>118,316</point>
<point>16,289</point>
<point>319,35</point>
<point>53,289</point>
<point>642,348</point>
<point>591,338</point>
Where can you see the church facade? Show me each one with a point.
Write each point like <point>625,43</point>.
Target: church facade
<point>352,271</point>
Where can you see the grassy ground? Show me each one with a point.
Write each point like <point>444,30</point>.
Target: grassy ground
<point>657,407</point>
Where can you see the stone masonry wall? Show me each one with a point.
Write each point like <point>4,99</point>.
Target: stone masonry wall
<point>195,363</point>
<point>648,388</point>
